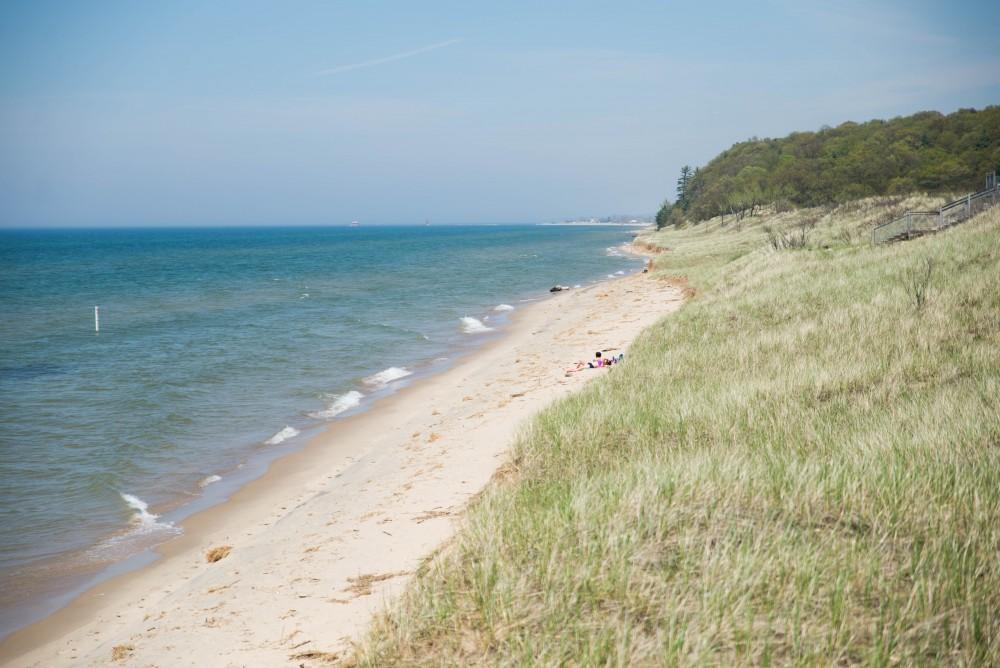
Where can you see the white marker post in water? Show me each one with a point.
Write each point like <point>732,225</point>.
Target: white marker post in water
<point>97,320</point>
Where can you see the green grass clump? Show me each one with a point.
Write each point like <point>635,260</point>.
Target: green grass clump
<point>800,466</point>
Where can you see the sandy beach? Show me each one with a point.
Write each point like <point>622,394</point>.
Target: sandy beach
<point>333,531</point>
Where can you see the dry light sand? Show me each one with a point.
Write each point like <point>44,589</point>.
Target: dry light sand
<point>330,533</point>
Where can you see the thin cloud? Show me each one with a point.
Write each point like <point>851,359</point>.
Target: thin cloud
<point>387,59</point>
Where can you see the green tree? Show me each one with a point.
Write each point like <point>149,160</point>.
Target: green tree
<point>926,151</point>
<point>663,215</point>
<point>682,187</point>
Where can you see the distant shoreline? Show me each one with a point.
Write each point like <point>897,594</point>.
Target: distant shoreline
<point>587,224</point>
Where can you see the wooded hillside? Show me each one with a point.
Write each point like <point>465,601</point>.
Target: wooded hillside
<point>928,152</point>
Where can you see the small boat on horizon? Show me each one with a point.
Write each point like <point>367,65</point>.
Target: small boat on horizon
<point>355,223</point>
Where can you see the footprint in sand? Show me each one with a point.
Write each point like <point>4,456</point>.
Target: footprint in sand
<point>362,584</point>
<point>431,514</point>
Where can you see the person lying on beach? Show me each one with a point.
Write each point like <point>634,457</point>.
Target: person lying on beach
<point>597,363</point>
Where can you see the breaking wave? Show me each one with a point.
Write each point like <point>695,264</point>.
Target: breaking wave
<point>343,402</point>
<point>208,480</point>
<point>386,376</point>
<point>472,325</point>
<point>282,436</point>
<point>143,520</point>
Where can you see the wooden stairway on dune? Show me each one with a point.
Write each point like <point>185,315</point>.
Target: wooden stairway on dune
<point>915,224</point>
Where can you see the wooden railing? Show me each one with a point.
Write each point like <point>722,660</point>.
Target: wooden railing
<point>916,223</point>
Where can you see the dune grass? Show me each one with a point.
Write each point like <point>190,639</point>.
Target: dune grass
<point>802,466</point>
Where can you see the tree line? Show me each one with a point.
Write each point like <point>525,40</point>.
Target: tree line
<point>927,152</point>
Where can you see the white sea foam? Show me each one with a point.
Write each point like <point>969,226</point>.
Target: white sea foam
<point>143,519</point>
<point>282,436</point>
<point>577,286</point>
<point>343,402</point>
<point>619,273</point>
<point>613,251</point>
<point>386,376</point>
<point>145,531</point>
<point>611,275</point>
<point>209,480</point>
<point>472,325</point>
<point>503,307</point>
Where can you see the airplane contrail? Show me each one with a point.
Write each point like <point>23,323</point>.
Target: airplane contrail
<point>386,59</point>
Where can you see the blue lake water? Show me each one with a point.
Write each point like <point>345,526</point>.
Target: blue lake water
<point>217,346</point>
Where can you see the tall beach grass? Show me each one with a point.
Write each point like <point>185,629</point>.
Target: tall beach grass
<point>801,466</point>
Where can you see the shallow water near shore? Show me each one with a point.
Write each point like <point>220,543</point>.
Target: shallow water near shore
<point>219,350</point>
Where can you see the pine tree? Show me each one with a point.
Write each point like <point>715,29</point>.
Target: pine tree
<point>663,215</point>
<point>682,187</point>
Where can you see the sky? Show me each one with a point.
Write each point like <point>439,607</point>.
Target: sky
<point>314,113</point>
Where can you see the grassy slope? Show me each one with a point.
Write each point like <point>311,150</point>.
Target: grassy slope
<point>798,467</point>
